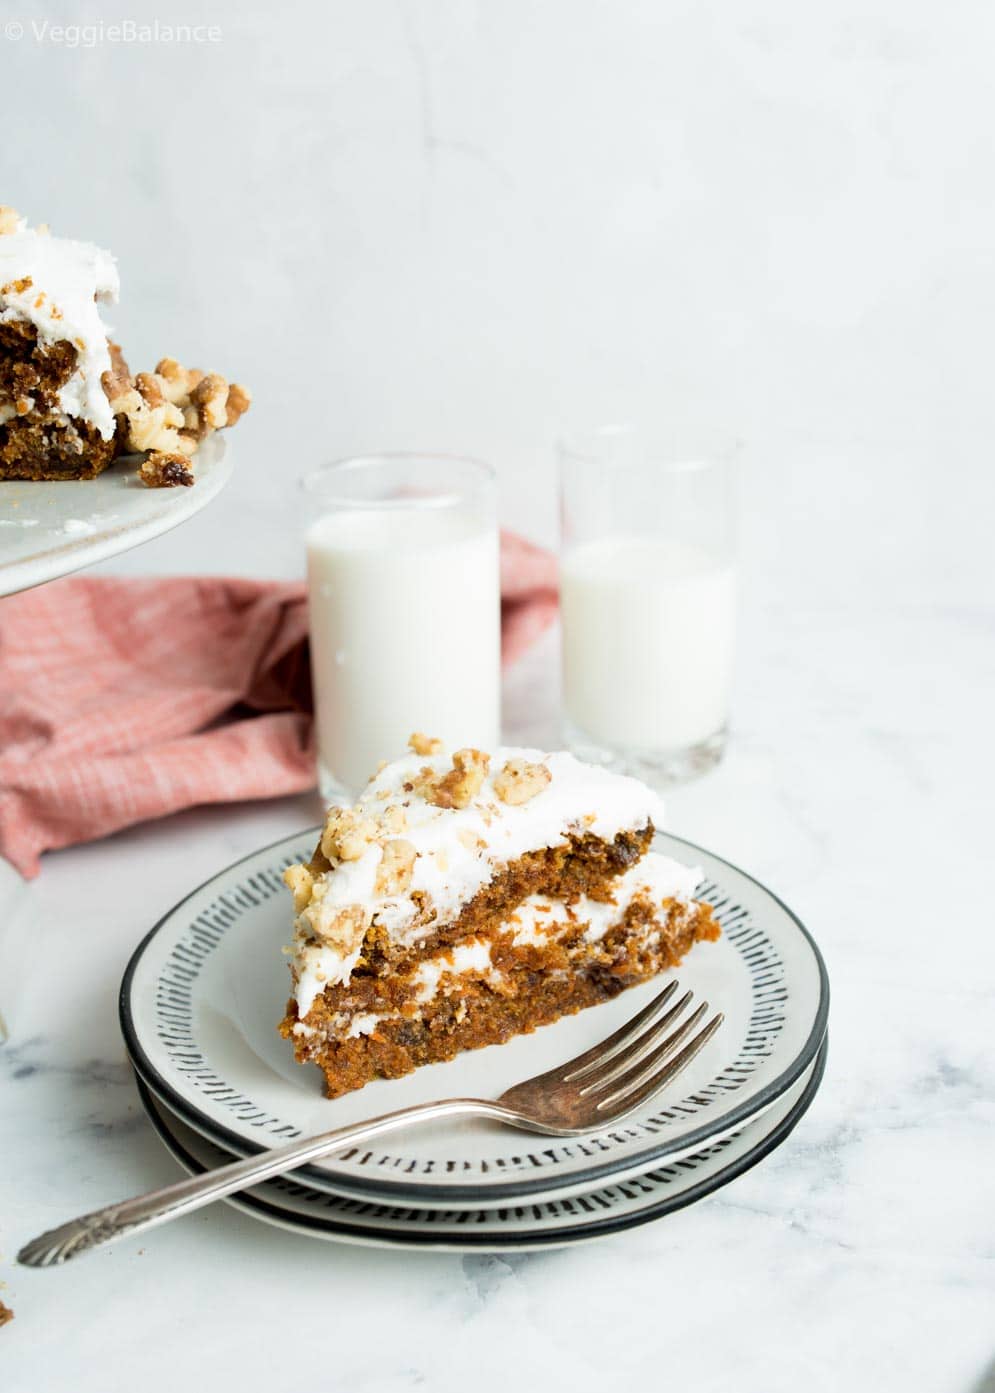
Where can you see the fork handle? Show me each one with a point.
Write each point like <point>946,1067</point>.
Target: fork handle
<point>133,1216</point>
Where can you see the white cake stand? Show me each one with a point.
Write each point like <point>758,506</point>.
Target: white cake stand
<point>50,528</point>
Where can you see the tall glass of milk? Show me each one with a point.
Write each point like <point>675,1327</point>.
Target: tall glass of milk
<point>405,613</point>
<point>648,596</point>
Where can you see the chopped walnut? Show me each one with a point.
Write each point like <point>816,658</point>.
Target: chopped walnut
<point>9,219</point>
<point>125,400</point>
<point>300,882</point>
<point>150,388</point>
<point>396,867</point>
<point>519,781</point>
<point>347,834</point>
<point>424,744</point>
<point>210,397</point>
<point>156,428</point>
<point>466,778</point>
<point>343,930</point>
<point>394,818</point>
<point>150,427</point>
<point>422,784</point>
<point>169,412</point>
<point>116,381</point>
<point>161,470</point>
<point>237,404</point>
<point>178,381</point>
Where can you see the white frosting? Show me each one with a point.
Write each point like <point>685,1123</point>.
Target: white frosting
<point>364,1023</point>
<point>68,281</point>
<point>655,877</point>
<point>536,920</point>
<point>450,867</point>
<point>473,956</point>
<point>319,967</point>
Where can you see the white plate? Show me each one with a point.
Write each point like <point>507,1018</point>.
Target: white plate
<point>49,527</point>
<point>203,993</point>
<point>290,1205</point>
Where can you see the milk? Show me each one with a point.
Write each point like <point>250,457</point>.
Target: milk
<point>648,629</point>
<point>405,633</point>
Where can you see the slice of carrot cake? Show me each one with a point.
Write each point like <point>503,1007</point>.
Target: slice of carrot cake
<point>69,405</point>
<point>466,899</point>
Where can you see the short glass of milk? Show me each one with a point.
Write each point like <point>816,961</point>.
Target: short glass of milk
<point>405,609</point>
<point>648,597</point>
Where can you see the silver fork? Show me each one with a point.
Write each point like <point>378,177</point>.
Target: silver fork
<point>587,1094</point>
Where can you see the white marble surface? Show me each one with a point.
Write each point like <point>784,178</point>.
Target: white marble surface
<point>862,1251</point>
<point>754,221</point>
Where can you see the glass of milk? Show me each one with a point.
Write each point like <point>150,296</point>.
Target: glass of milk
<point>405,609</point>
<point>648,597</point>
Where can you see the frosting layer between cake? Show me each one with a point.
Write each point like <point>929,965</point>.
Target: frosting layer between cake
<point>654,880</point>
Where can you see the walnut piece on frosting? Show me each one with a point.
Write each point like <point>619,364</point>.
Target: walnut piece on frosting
<point>8,220</point>
<point>393,818</point>
<point>347,834</point>
<point>396,867</point>
<point>519,781</point>
<point>424,744</point>
<point>344,930</point>
<point>464,781</point>
<point>300,882</point>
<point>162,470</point>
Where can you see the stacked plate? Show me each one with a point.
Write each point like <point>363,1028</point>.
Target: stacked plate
<point>203,993</point>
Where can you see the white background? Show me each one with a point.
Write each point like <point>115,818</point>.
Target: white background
<point>470,226</point>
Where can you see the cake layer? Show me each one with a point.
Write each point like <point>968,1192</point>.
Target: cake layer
<point>551,957</point>
<point>52,446</point>
<point>438,848</point>
<point>31,372</point>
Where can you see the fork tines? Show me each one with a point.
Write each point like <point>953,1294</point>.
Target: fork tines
<point>641,1058</point>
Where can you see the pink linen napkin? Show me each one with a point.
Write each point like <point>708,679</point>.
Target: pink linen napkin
<point>123,700</point>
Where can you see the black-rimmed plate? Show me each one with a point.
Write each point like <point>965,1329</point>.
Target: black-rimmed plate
<point>288,1204</point>
<point>202,996</point>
